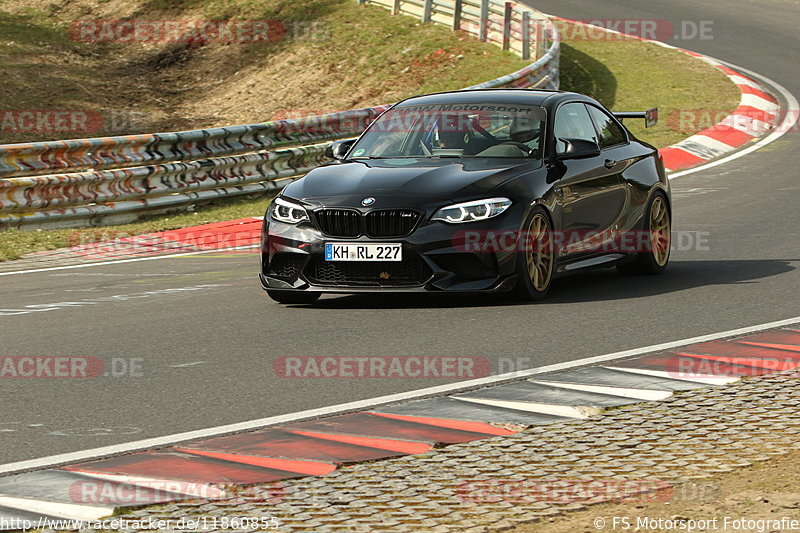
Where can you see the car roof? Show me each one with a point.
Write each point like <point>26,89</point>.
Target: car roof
<point>485,96</point>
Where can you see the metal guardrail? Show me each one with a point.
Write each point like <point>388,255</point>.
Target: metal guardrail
<point>116,179</point>
<point>513,26</point>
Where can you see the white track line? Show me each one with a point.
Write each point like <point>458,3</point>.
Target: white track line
<point>371,403</point>
<point>133,260</point>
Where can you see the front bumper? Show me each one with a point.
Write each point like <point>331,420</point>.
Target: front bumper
<point>437,257</point>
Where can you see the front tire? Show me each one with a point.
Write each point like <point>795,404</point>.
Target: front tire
<point>293,297</point>
<point>535,258</point>
<point>658,225</point>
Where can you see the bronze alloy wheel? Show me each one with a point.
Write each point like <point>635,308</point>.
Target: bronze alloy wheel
<point>660,231</point>
<point>658,225</point>
<point>539,255</point>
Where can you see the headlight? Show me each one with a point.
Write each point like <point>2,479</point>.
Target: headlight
<point>471,211</point>
<point>289,212</point>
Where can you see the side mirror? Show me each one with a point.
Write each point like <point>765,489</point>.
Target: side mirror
<point>578,149</point>
<point>338,149</point>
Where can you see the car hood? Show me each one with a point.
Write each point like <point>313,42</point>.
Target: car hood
<point>424,180</point>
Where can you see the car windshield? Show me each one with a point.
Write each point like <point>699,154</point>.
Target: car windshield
<point>454,130</point>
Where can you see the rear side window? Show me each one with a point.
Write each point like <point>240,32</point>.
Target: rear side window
<point>611,133</point>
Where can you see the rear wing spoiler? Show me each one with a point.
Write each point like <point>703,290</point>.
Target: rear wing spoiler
<point>650,116</point>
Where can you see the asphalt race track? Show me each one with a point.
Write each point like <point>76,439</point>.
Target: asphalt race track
<point>202,356</point>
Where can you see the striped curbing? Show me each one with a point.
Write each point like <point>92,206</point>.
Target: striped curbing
<point>219,467</point>
<point>756,116</point>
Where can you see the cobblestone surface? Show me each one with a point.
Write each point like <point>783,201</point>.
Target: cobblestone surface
<point>488,485</point>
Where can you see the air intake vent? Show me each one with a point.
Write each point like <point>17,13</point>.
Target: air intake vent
<point>410,271</point>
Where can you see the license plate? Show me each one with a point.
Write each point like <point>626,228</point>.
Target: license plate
<point>353,251</point>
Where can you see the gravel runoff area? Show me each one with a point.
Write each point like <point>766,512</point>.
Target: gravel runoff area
<point>664,451</point>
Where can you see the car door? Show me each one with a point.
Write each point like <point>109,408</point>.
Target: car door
<point>589,194</point>
<point>618,155</point>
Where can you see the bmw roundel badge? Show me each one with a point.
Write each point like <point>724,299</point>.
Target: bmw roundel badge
<point>368,201</point>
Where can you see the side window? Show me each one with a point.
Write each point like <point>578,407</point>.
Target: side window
<point>610,132</point>
<point>573,122</point>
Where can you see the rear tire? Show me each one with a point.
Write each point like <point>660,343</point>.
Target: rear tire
<point>658,225</point>
<point>293,297</point>
<point>535,258</point>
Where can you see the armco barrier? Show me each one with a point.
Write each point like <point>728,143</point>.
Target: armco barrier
<point>116,179</point>
<point>503,23</point>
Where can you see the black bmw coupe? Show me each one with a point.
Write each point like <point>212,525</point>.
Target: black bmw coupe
<point>495,191</point>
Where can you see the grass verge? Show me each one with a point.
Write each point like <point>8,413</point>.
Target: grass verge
<point>631,75</point>
<point>319,56</point>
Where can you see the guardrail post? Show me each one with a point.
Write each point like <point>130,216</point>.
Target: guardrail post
<point>396,7</point>
<point>426,11</point>
<point>483,32</point>
<point>526,35</point>
<point>507,25</point>
<point>457,15</point>
<point>539,38</point>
